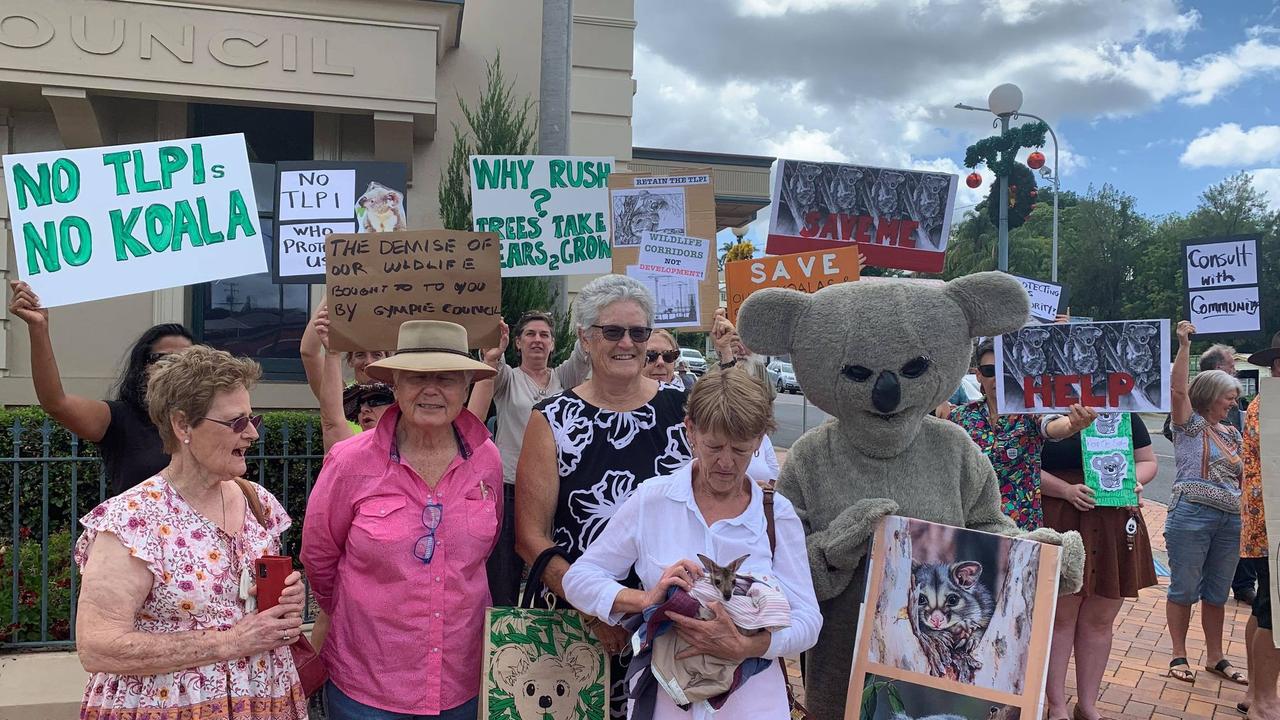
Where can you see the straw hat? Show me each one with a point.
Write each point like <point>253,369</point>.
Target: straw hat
<point>1264,358</point>
<point>430,346</point>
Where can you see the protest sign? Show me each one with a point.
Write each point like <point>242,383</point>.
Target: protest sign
<point>807,272</point>
<point>1106,449</point>
<point>678,203</point>
<point>675,254</point>
<point>899,218</point>
<point>551,212</point>
<point>1116,366</point>
<point>1222,285</point>
<point>376,281</point>
<point>317,198</point>
<point>101,222</point>
<point>1047,299</point>
<point>1268,400</point>
<point>911,661</point>
<point>676,297</point>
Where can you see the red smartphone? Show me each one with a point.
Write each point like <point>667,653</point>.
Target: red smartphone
<point>271,571</point>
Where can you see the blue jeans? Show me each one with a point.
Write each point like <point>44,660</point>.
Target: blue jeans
<point>341,707</point>
<point>1204,547</point>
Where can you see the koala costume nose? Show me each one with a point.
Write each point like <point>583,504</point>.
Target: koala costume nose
<point>544,702</point>
<point>887,393</point>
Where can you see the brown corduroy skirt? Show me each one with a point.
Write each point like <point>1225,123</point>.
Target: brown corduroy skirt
<point>1111,569</point>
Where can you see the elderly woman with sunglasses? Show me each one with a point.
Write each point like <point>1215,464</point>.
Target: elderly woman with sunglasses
<point>399,526</point>
<point>1013,443</point>
<point>164,622</point>
<point>661,358</point>
<point>588,449</point>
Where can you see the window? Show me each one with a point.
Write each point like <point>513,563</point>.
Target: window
<point>251,315</point>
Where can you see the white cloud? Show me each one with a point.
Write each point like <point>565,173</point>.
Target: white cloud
<point>1229,145</point>
<point>1268,180</point>
<point>1215,74</point>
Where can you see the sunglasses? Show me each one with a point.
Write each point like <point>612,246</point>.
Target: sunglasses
<point>668,356</point>
<point>987,370</point>
<point>425,548</point>
<point>614,333</point>
<point>378,400</point>
<point>240,424</point>
<point>155,357</point>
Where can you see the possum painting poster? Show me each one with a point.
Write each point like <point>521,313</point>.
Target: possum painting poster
<point>898,218</point>
<point>1115,366</point>
<point>956,623</point>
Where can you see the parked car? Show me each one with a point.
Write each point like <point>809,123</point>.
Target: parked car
<point>784,377</point>
<point>692,358</point>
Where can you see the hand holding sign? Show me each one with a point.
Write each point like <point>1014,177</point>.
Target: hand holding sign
<point>1185,331</point>
<point>26,304</point>
<point>493,356</point>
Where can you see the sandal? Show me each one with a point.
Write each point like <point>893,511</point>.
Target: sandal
<point>1179,669</point>
<point>1225,670</point>
<point>1243,708</point>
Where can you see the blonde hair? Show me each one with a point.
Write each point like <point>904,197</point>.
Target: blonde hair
<point>186,382</point>
<point>1209,386</point>
<point>660,333</point>
<point>730,403</point>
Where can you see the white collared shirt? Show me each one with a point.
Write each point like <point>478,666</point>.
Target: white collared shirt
<point>661,524</point>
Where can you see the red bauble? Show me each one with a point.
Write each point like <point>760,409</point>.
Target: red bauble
<point>1035,160</point>
<point>974,180</point>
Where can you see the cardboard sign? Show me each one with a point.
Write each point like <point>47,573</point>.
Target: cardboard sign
<point>377,281</point>
<point>911,661</point>
<point>1110,470</point>
<point>1047,299</point>
<point>102,222</point>
<point>315,199</point>
<point>679,203</point>
<point>675,254</point>
<point>551,212</point>
<point>1116,366</point>
<point>899,218</point>
<point>1222,285</point>
<point>807,272</point>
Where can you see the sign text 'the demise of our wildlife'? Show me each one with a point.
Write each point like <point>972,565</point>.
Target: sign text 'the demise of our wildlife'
<point>552,213</point>
<point>102,222</point>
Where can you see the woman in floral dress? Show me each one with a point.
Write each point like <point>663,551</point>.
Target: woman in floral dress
<point>587,450</point>
<point>162,623</point>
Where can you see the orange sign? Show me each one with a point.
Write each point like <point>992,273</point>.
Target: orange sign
<point>807,272</point>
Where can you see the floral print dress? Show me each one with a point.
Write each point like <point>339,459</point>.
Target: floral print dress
<point>197,568</point>
<point>1013,444</point>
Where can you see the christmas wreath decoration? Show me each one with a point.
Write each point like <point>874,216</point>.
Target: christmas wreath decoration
<point>1021,200</point>
<point>991,150</point>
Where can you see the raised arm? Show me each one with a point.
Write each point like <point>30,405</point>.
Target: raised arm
<point>312,349</point>
<point>483,391</point>
<point>537,491</point>
<point>1181,414</point>
<point>83,416</point>
<point>334,427</point>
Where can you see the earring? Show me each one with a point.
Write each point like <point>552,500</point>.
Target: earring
<point>186,441</point>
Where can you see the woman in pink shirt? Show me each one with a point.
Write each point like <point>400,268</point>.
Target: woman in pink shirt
<point>398,528</point>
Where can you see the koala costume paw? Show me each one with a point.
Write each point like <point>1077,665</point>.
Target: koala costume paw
<point>1072,556</point>
<point>853,527</point>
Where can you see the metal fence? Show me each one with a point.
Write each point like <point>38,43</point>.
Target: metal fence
<point>52,478</point>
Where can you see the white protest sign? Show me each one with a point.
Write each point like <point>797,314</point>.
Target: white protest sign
<point>1225,310</point>
<point>1221,263</point>
<point>551,212</point>
<point>302,245</point>
<point>316,195</point>
<point>674,254</point>
<point>101,222</point>
<point>676,297</point>
<point>1046,298</point>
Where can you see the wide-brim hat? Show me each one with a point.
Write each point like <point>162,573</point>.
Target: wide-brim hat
<point>430,346</point>
<point>356,395</point>
<point>1264,358</point>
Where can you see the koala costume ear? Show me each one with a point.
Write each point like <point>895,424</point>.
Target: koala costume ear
<point>769,316</point>
<point>993,302</point>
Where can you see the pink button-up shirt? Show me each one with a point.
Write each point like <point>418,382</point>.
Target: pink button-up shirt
<point>406,636</point>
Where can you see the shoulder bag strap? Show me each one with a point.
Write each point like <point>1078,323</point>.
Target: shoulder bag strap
<point>251,498</point>
<point>768,519</point>
<point>797,710</point>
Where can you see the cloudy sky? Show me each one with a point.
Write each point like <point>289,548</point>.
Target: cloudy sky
<point>1160,98</point>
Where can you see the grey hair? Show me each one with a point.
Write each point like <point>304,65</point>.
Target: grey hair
<point>1209,386</point>
<point>1216,356</point>
<point>606,290</point>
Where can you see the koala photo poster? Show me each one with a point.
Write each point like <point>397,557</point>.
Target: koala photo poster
<point>1109,469</point>
<point>1119,366</point>
<point>542,665</point>
<point>955,620</point>
<point>898,218</point>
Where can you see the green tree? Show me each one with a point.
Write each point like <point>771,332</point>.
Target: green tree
<point>499,124</point>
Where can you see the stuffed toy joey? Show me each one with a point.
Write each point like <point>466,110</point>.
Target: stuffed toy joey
<point>879,357</point>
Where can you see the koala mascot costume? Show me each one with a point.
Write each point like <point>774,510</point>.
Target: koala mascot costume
<point>879,357</point>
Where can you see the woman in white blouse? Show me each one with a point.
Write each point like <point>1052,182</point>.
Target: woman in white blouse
<point>710,507</point>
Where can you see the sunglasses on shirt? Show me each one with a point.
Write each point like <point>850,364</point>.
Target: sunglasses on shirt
<point>425,548</point>
<point>987,370</point>
<point>614,333</point>
<point>668,356</point>
<point>240,424</point>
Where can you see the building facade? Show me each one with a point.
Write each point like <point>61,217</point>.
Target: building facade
<point>303,80</point>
